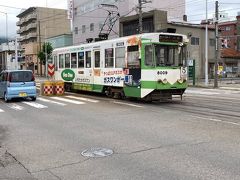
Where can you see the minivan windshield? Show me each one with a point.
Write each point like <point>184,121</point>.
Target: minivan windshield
<point>21,76</point>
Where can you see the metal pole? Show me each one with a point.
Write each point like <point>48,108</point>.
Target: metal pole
<point>216,45</point>
<point>45,52</point>
<point>140,16</point>
<point>16,54</point>
<point>206,46</point>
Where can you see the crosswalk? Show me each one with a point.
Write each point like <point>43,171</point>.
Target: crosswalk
<point>45,102</point>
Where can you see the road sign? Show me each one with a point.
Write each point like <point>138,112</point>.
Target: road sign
<point>191,70</point>
<point>51,69</point>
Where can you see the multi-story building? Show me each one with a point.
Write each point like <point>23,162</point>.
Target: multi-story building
<point>228,34</point>
<point>36,24</point>
<point>7,56</point>
<point>230,46</point>
<point>89,15</point>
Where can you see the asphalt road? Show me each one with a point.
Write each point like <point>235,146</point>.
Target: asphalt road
<point>196,138</point>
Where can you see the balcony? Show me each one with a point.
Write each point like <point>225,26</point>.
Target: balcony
<point>31,17</point>
<point>19,31</point>
<point>32,26</point>
<point>18,23</point>
<point>32,35</point>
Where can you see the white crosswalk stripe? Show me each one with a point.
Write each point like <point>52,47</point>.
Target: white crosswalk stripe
<point>83,99</point>
<point>36,105</point>
<point>68,100</point>
<point>50,101</point>
<point>1,110</point>
<point>15,107</point>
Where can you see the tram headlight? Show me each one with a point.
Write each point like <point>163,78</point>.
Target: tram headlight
<point>164,81</point>
<point>182,80</point>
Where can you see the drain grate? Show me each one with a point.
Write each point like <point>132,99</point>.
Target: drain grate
<point>97,152</point>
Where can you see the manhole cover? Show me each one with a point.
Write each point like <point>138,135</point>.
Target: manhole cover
<point>97,152</point>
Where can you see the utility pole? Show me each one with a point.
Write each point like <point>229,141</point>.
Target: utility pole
<point>216,46</point>
<point>206,46</point>
<point>140,16</point>
<point>140,3</point>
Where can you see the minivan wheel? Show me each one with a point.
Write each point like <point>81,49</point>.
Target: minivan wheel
<point>5,97</point>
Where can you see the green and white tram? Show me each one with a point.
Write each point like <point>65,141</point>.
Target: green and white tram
<point>148,66</point>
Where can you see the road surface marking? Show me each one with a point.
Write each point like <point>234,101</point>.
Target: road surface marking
<point>1,110</point>
<point>67,100</point>
<point>36,105</point>
<point>49,101</point>
<point>217,120</point>
<point>15,107</point>
<point>200,92</point>
<point>83,99</point>
<point>127,104</point>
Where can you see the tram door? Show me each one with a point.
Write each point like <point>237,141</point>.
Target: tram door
<point>96,70</point>
<point>134,66</point>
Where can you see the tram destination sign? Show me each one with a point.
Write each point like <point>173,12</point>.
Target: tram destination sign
<point>170,38</point>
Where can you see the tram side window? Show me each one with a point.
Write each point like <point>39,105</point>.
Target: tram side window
<point>73,60</point>
<point>97,59</point>
<point>120,57</point>
<point>81,60</point>
<point>55,63</point>
<point>88,59</point>
<point>109,57</point>
<point>133,57</point>
<point>61,60</point>
<point>149,55</point>
<point>67,60</point>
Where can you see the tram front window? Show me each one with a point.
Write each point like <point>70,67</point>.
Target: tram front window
<point>168,55</point>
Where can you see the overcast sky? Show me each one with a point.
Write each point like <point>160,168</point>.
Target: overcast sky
<point>195,9</point>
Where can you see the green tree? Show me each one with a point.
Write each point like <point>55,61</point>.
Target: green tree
<point>45,52</point>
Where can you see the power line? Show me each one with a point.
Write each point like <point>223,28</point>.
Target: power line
<point>12,7</point>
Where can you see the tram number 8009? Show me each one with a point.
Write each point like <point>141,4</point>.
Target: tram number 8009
<point>162,72</point>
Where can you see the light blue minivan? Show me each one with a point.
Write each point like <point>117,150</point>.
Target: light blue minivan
<point>17,84</point>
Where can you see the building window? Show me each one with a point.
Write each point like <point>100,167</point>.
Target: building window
<point>212,42</point>
<point>92,27</point>
<point>76,30</point>
<point>75,11</point>
<point>194,41</point>
<point>100,25</point>
<point>228,28</point>
<point>83,28</point>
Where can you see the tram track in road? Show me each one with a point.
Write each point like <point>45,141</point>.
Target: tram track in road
<point>204,109</point>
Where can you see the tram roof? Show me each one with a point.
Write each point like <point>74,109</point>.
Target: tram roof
<point>144,35</point>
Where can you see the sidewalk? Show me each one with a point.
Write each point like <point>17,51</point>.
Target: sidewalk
<point>226,84</point>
